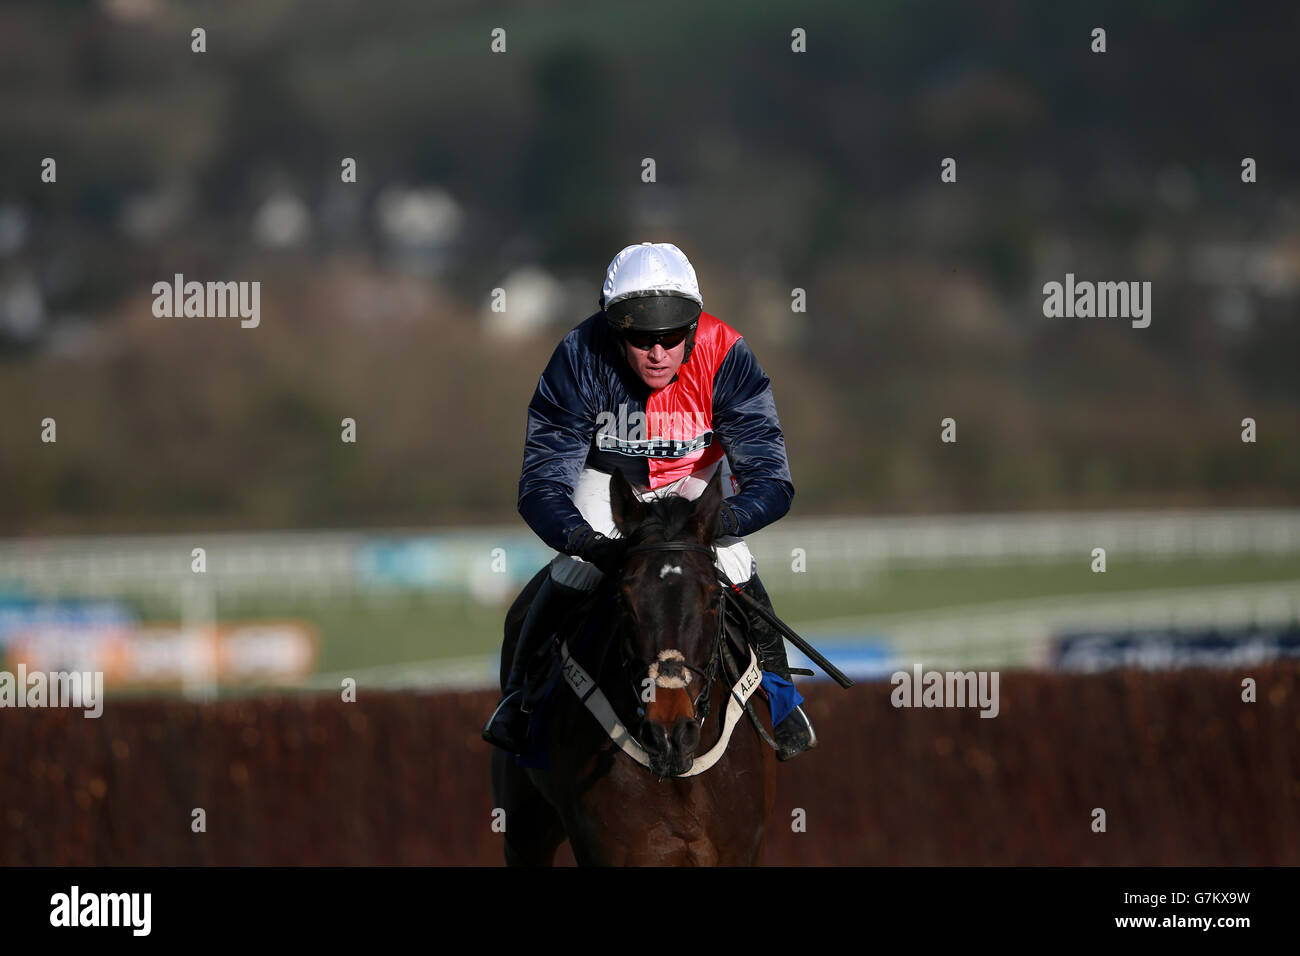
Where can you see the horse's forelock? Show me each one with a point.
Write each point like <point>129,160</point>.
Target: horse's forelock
<point>666,519</point>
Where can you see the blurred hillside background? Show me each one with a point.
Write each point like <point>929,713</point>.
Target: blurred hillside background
<point>522,171</point>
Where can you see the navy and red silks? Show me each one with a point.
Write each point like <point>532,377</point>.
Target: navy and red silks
<point>591,408</point>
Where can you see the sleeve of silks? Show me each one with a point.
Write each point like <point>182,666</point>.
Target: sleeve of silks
<point>561,423</point>
<point>745,420</point>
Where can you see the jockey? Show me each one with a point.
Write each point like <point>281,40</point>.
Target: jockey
<point>666,393</point>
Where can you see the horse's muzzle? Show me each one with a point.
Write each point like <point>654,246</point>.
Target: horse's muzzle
<point>671,752</point>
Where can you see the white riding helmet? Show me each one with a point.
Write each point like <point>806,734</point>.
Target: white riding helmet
<point>651,287</point>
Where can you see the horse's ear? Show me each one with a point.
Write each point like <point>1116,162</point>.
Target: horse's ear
<point>704,516</point>
<point>628,509</point>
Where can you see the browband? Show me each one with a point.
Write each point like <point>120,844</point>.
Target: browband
<point>670,546</point>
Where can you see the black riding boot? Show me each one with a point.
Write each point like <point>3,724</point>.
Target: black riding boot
<point>507,728</point>
<point>795,734</point>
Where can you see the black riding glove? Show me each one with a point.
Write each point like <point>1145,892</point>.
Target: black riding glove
<point>604,553</point>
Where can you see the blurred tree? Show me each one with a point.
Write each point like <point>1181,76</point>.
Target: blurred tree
<point>265,126</point>
<point>573,179</point>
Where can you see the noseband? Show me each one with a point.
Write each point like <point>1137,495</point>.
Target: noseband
<point>699,711</point>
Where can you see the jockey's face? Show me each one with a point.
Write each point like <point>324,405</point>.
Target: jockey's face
<point>656,365</point>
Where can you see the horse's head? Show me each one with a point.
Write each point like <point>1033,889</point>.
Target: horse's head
<point>673,602</point>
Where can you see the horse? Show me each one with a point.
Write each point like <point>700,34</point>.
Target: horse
<point>666,667</point>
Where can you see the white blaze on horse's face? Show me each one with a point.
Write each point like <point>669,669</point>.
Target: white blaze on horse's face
<point>679,679</point>
<point>668,569</point>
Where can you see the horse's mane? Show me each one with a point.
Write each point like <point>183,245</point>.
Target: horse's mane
<point>665,518</point>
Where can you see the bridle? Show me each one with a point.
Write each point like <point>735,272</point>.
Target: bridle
<point>701,702</point>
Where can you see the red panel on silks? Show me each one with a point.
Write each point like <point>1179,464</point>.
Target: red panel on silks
<point>683,409</point>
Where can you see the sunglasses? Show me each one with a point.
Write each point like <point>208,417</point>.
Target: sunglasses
<point>645,341</point>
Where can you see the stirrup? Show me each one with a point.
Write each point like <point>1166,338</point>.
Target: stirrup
<point>794,735</point>
<point>507,728</point>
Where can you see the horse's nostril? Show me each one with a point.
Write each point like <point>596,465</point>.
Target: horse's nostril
<point>653,737</point>
<point>686,735</point>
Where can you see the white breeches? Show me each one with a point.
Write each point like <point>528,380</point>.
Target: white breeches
<point>591,497</point>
